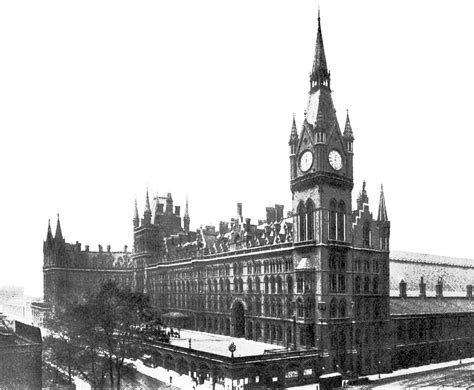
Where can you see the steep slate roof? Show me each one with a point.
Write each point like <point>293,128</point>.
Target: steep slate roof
<point>456,273</point>
<point>427,258</point>
<point>430,306</point>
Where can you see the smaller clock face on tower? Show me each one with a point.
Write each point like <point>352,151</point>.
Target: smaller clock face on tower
<point>335,160</point>
<point>306,161</point>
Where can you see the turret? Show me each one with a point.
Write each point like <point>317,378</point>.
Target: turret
<point>186,218</point>
<point>136,219</point>
<point>48,244</point>
<point>169,204</point>
<point>293,142</point>
<point>383,222</point>
<point>147,212</point>
<point>362,198</point>
<point>348,135</point>
<point>58,236</point>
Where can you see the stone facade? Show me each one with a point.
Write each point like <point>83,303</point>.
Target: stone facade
<point>316,278</point>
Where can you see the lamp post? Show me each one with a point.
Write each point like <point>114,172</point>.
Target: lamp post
<point>378,364</point>
<point>189,342</point>
<point>232,349</point>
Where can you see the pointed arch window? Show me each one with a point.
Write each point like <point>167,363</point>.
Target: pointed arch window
<point>301,222</point>
<point>333,309</point>
<point>332,219</point>
<point>342,308</point>
<point>366,235</point>
<point>310,218</point>
<point>299,308</point>
<point>341,221</point>
<point>289,282</point>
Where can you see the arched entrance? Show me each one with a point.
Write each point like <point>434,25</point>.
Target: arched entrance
<point>238,319</point>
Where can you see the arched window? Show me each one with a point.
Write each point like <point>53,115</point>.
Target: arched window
<point>272,285</point>
<point>366,235</point>
<point>258,307</point>
<point>273,308</point>
<point>342,308</point>
<point>227,282</point>
<point>279,309</point>
<point>357,285</point>
<point>257,284</point>
<point>221,285</point>
<point>289,284</point>
<point>333,309</point>
<point>309,307</point>
<point>249,284</point>
<point>332,219</point>
<point>215,285</point>
<point>310,218</point>
<point>366,285</point>
<point>341,221</point>
<point>302,221</point>
<point>279,285</point>
<point>375,285</point>
<point>299,308</point>
<point>265,281</point>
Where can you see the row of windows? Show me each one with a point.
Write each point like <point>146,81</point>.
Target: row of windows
<point>377,266</point>
<point>369,288</point>
<point>306,220</point>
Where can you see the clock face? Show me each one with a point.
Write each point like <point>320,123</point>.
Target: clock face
<point>335,160</point>
<point>306,161</point>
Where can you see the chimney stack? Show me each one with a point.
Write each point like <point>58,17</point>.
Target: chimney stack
<point>439,288</point>
<point>125,248</point>
<point>239,210</point>
<point>403,289</point>
<point>177,210</point>
<point>422,288</point>
<point>108,248</point>
<point>100,248</point>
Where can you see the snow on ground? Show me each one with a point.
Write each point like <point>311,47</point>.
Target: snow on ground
<point>219,344</point>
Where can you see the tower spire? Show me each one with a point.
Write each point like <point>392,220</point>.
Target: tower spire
<point>58,235</point>
<point>382,207</point>
<point>147,212</point>
<point>49,235</point>
<point>320,75</point>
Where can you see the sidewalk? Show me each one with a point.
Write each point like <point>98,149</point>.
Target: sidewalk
<point>404,373</point>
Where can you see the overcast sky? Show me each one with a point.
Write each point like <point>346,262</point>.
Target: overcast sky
<point>100,99</point>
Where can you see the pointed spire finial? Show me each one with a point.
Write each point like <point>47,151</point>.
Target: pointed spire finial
<point>147,203</point>
<point>135,211</point>
<point>294,132</point>
<point>382,207</point>
<point>320,75</point>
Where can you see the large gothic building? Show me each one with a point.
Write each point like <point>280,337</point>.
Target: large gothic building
<point>316,278</point>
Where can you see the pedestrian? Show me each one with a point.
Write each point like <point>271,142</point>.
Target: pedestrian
<point>171,379</point>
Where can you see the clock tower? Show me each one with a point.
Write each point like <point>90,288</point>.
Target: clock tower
<point>340,256</point>
<point>321,162</point>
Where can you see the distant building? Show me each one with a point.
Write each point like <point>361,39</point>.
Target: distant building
<point>20,356</point>
<point>318,278</point>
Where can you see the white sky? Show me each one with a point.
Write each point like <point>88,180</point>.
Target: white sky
<point>99,99</point>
